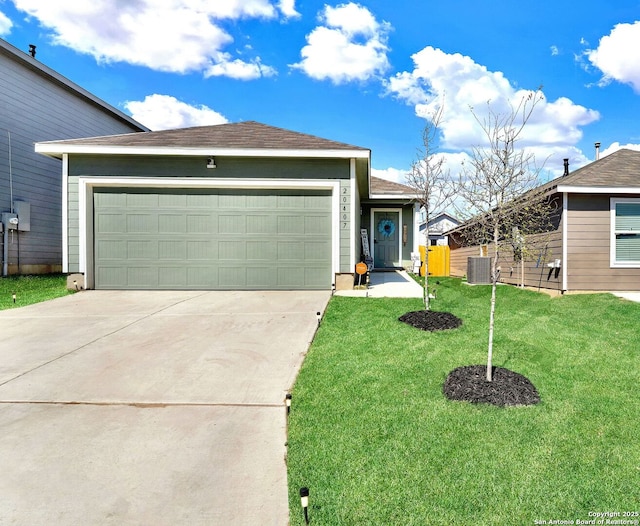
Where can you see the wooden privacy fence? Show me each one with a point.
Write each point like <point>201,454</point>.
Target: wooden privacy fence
<point>438,260</point>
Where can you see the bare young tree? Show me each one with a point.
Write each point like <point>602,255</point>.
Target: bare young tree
<point>501,189</point>
<point>431,183</point>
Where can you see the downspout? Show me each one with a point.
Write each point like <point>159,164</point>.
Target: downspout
<point>5,252</point>
<point>5,230</point>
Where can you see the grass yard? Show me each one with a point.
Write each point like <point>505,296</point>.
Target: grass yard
<point>31,289</point>
<point>376,442</point>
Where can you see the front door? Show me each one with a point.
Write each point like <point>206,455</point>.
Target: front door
<point>386,236</point>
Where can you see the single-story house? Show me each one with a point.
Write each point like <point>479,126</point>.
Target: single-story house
<point>596,245</point>
<point>39,104</point>
<point>231,206</point>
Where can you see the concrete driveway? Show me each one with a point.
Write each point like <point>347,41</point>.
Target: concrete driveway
<point>150,408</point>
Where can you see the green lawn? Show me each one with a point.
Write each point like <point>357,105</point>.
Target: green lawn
<point>31,289</point>
<point>376,442</point>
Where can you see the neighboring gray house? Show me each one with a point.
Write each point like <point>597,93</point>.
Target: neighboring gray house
<point>437,228</point>
<point>38,104</point>
<point>596,245</point>
<point>232,206</point>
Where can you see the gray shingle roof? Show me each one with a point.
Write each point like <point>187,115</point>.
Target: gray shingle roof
<point>241,135</point>
<point>621,169</point>
<point>383,187</point>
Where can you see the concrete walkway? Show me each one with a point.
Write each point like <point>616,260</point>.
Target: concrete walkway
<point>387,284</point>
<point>150,407</point>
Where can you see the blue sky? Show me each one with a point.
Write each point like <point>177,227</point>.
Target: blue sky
<point>366,73</point>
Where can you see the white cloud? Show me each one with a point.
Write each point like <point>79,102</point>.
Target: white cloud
<point>5,24</point>
<point>618,55</point>
<point>163,112</point>
<point>238,69</point>
<point>461,84</point>
<point>177,36</point>
<point>350,46</point>
<point>288,8</point>
<point>615,146</point>
<point>554,51</point>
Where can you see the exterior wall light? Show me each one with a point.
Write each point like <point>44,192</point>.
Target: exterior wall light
<point>211,162</point>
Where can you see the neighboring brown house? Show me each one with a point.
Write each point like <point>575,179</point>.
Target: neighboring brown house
<point>596,246</point>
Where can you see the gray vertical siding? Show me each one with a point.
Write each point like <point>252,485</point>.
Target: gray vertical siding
<point>32,109</point>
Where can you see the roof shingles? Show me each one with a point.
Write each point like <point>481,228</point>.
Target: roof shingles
<point>242,135</point>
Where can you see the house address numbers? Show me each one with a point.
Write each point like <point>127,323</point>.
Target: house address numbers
<point>344,207</point>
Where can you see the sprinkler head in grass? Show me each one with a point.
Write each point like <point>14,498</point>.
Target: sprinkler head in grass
<point>287,401</point>
<point>304,501</point>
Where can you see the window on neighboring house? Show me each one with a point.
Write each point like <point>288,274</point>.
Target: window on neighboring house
<point>625,238</point>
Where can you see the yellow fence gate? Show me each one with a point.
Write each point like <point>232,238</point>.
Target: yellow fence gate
<point>438,260</point>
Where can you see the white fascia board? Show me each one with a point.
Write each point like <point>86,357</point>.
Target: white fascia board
<point>48,148</point>
<point>598,189</point>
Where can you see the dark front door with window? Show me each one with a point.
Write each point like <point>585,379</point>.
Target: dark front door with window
<point>386,232</point>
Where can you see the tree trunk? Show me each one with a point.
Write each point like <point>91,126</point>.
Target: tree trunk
<point>494,285</point>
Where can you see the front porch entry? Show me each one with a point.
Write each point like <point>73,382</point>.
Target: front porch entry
<point>386,233</point>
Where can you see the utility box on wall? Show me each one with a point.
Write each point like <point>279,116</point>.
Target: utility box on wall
<point>23,210</point>
<point>10,220</point>
<point>479,270</point>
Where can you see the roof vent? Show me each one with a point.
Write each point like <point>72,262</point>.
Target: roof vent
<point>597,151</point>
<point>566,167</point>
<point>32,50</point>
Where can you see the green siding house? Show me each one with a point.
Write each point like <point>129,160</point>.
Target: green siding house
<point>233,206</point>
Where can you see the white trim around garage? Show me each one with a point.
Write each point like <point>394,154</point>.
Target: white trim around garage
<point>65,214</point>
<point>85,205</point>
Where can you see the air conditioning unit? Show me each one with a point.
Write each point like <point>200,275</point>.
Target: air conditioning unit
<point>479,270</point>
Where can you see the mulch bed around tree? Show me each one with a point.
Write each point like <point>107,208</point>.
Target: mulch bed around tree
<point>469,383</point>
<point>428,320</point>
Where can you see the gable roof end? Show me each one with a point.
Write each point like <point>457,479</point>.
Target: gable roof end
<point>618,172</point>
<point>243,139</point>
<point>29,62</point>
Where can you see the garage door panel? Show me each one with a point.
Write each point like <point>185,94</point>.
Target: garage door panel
<point>172,224</point>
<point>202,277</point>
<point>110,222</point>
<point>142,276</point>
<point>172,277</point>
<point>142,200</point>
<point>232,250</point>
<point>142,224</point>
<point>201,250</point>
<point>201,224</point>
<point>172,249</point>
<point>111,249</point>
<point>232,224</point>
<point>261,251</point>
<point>213,239</point>
<point>144,249</point>
<point>260,224</point>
